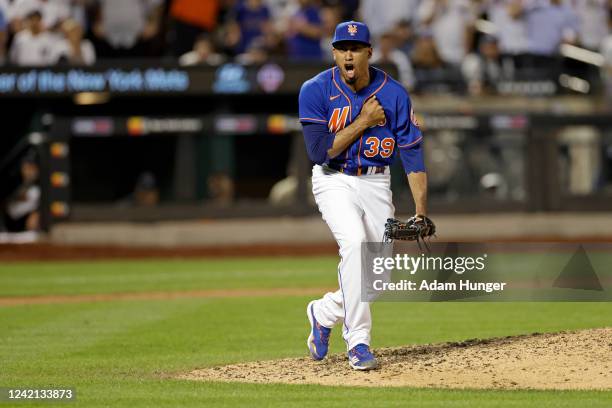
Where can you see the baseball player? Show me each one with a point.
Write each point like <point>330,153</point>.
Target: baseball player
<point>355,119</point>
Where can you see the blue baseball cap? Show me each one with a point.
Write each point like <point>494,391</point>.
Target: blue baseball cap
<point>352,31</point>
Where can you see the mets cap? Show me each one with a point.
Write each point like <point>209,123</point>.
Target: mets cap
<point>352,31</point>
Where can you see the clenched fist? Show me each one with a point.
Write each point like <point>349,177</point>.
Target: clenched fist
<point>372,113</point>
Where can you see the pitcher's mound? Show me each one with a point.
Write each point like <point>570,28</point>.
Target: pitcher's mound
<point>566,360</point>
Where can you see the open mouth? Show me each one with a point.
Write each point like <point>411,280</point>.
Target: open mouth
<point>350,70</point>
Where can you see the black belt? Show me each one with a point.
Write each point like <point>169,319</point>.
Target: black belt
<point>359,171</point>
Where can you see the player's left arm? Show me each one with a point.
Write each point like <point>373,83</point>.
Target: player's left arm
<point>418,186</point>
<point>414,165</point>
<point>410,145</point>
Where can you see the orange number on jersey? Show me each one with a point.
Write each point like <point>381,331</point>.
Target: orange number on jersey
<point>374,144</point>
<point>375,147</point>
<point>387,146</point>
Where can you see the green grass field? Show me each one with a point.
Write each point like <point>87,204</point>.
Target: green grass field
<point>125,352</point>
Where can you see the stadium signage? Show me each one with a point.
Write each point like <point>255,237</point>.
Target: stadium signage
<point>530,88</point>
<point>231,78</point>
<point>115,80</point>
<point>158,79</point>
<point>137,125</point>
<point>463,122</point>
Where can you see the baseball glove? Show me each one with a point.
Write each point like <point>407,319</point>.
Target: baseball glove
<point>416,228</point>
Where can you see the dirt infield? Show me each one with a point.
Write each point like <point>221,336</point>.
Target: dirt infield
<point>51,252</point>
<point>111,297</point>
<point>64,252</point>
<point>558,361</point>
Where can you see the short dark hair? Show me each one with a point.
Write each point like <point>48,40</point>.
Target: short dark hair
<point>34,13</point>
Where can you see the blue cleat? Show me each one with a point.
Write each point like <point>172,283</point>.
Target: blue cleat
<point>360,358</point>
<point>318,340</point>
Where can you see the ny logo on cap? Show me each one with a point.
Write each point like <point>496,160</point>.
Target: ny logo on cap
<point>352,29</point>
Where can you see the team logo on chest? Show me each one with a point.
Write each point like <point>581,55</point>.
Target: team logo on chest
<point>337,122</point>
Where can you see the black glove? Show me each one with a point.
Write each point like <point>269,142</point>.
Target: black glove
<point>414,229</point>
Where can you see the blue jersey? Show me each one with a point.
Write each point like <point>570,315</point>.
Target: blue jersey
<point>326,99</point>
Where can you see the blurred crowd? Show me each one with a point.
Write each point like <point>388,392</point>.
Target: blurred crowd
<point>476,42</point>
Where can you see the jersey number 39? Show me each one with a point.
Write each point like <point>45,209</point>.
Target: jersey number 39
<point>375,147</point>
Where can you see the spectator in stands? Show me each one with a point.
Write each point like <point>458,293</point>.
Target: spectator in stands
<point>253,18</point>
<point>230,33</point>
<point>510,29</point>
<point>221,188</point>
<point>127,28</point>
<point>54,12</point>
<point>229,37</point>
<point>191,18</point>
<point>592,22</point>
<point>424,54</point>
<point>405,36</point>
<point>21,210</point>
<point>304,32</point>
<point>387,52</point>
<point>330,18</point>
<point>452,26</point>
<point>281,12</point>
<point>35,46</point>
<point>381,15</point>
<point>146,192</point>
<point>431,73</point>
<point>73,48</point>
<point>483,70</point>
<point>256,54</point>
<point>79,13</point>
<point>549,24</point>
<point>203,53</point>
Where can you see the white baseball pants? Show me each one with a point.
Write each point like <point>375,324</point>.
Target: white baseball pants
<point>355,208</point>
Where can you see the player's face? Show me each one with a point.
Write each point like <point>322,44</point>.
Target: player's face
<point>352,59</point>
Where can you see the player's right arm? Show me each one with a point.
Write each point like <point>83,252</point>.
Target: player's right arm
<point>321,144</point>
<point>371,114</point>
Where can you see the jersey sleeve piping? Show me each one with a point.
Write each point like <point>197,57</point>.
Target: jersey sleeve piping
<point>410,144</point>
<point>313,120</point>
<point>342,92</point>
